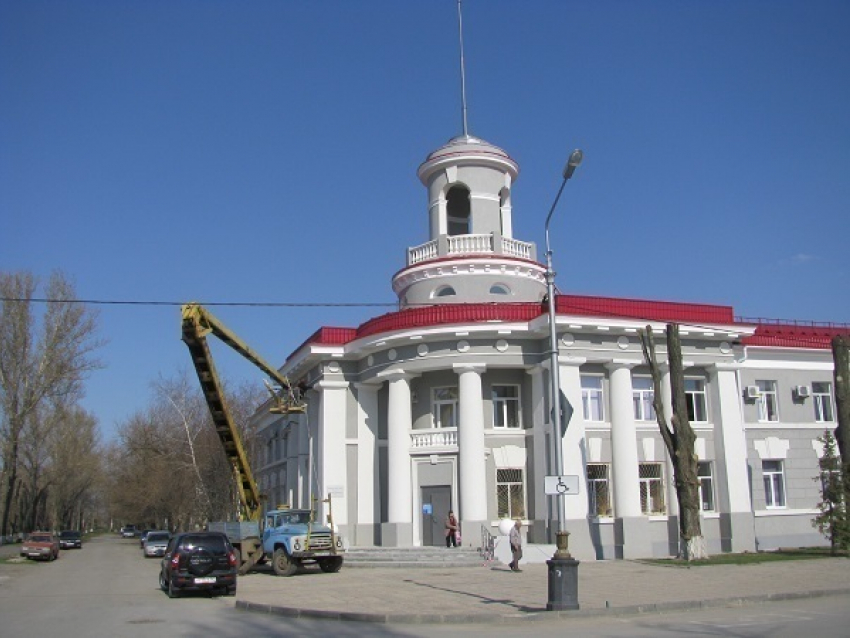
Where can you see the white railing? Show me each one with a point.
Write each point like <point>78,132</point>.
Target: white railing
<point>463,244</point>
<point>468,245</point>
<point>435,438</point>
<point>516,248</point>
<point>421,253</point>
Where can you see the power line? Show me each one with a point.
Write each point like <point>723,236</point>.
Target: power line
<point>801,340</point>
<point>260,304</point>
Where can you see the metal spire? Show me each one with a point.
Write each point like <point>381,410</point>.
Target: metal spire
<point>462,70</point>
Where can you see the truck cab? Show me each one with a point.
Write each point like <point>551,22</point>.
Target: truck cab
<point>291,539</point>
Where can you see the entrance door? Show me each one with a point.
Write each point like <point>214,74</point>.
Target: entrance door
<point>436,503</point>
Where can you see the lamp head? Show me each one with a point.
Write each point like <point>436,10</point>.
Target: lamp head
<point>575,159</point>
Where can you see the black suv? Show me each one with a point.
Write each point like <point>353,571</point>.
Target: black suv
<point>196,561</point>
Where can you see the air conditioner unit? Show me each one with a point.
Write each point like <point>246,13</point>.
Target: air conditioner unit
<point>753,392</point>
<point>803,391</point>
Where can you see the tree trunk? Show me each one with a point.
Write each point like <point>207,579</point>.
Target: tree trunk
<point>679,438</point>
<point>841,373</point>
<point>683,453</point>
<point>11,463</point>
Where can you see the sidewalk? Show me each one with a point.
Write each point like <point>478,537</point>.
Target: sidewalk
<point>492,593</point>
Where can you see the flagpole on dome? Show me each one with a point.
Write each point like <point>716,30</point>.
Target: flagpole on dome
<point>462,71</point>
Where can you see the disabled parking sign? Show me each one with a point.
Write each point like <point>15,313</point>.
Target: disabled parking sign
<point>560,485</point>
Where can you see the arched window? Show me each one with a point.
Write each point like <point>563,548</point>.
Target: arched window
<point>444,291</point>
<point>457,210</point>
<point>499,289</point>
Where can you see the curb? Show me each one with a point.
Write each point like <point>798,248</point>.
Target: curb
<point>532,614</point>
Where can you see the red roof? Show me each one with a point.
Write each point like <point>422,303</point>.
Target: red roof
<point>795,334</point>
<point>768,332</point>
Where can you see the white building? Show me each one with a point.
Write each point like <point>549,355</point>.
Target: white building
<point>444,403</point>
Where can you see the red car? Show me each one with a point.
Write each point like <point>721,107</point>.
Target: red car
<point>41,545</point>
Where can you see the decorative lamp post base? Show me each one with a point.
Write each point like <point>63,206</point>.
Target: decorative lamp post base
<point>563,584</point>
<point>563,576</point>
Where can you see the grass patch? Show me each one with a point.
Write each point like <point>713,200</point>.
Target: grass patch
<point>751,558</point>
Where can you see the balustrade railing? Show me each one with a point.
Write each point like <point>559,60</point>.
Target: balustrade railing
<point>484,244</point>
<point>434,438</point>
<point>463,244</point>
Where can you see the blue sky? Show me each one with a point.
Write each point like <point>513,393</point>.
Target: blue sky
<point>260,151</point>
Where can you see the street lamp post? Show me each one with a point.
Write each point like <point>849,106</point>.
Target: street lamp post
<point>563,570</point>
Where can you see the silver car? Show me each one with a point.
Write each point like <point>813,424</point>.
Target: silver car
<point>155,543</point>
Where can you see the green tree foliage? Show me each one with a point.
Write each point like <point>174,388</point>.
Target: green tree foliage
<point>833,520</point>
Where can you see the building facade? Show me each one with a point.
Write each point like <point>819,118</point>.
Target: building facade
<point>444,403</point>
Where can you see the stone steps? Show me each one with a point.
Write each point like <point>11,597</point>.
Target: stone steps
<point>413,557</point>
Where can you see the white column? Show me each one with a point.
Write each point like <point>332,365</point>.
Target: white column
<point>624,452</point>
<point>400,485</point>
<point>730,443</point>
<point>537,494</point>
<point>473,473</point>
<point>293,459</point>
<point>667,401</point>
<point>306,451</point>
<point>574,443</point>
<point>331,448</point>
<point>367,437</point>
<point>730,466</point>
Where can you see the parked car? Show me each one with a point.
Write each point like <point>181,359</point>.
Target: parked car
<point>70,538</point>
<point>198,561</point>
<point>155,543</point>
<point>41,545</point>
<point>142,538</point>
<point>128,531</point>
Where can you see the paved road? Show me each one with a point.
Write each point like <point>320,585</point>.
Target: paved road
<point>108,589</point>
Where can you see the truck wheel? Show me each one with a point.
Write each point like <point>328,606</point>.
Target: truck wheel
<point>330,565</point>
<point>282,564</point>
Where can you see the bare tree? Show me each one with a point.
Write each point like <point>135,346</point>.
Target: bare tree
<point>169,465</point>
<point>679,438</point>
<point>76,467</point>
<point>41,358</point>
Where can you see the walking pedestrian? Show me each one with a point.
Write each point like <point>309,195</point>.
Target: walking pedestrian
<point>451,530</point>
<point>516,546</point>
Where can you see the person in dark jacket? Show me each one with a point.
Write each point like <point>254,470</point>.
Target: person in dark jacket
<point>451,530</point>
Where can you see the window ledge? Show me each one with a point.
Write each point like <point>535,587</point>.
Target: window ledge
<point>780,511</point>
<point>657,517</point>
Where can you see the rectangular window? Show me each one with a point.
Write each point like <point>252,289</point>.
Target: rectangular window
<point>822,400</point>
<point>598,490</point>
<point>651,488</point>
<point>505,406</point>
<point>444,407</point>
<point>695,398</point>
<point>706,486</point>
<point>774,483</point>
<point>510,492</point>
<point>642,396</point>
<point>766,402</point>
<point>592,398</point>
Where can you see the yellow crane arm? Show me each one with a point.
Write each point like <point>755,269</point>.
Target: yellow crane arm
<point>197,323</point>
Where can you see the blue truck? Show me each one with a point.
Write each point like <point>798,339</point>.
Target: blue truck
<point>289,540</point>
